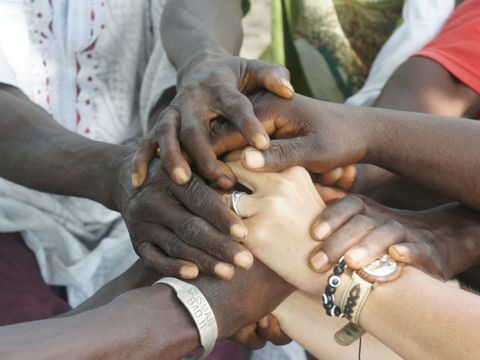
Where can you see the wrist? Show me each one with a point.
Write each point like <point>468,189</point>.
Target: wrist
<point>199,59</point>
<point>160,326</point>
<point>119,162</point>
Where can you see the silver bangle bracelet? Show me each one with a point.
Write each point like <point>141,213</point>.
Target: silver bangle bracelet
<point>199,309</point>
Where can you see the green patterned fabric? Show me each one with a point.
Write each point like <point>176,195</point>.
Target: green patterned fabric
<point>333,41</point>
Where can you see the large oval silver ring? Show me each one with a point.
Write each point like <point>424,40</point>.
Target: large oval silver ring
<point>235,197</point>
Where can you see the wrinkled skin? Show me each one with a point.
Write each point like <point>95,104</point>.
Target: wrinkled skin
<point>206,90</point>
<point>304,134</point>
<point>179,230</point>
<point>439,241</point>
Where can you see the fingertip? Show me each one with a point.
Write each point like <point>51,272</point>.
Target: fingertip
<point>261,141</point>
<point>319,262</point>
<point>244,259</point>
<point>287,89</point>
<point>264,322</point>
<point>356,257</point>
<point>137,180</point>
<point>189,272</point>
<point>279,84</point>
<point>224,271</point>
<point>180,176</point>
<point>239,231</point>
<point>252,159</point>
<point>321,230</point>
<point>398,252</point>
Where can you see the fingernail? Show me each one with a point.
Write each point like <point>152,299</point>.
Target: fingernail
<point>189,272</point>
<point>321,230</point>
<point>319,261</point>
<point>244,259</point>
<point>239,231</point>
<point>180,176</point>
<point>397,251</point>
<point>225,271</point>
<point>287,84</point>
<point>254,159</point>
<point>264,322</point>
<point>135,180</point>
<point>357,256</point>
<point>260,141</point>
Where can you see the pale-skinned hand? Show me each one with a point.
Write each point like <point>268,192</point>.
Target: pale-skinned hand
<point>278,215</point>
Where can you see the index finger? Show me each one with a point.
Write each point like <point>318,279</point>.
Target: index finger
<point>194,139</point>
<point>238,109</point>
<point>249,179</point>
<point>203,201</point>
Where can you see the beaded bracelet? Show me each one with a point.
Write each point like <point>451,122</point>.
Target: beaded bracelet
<point>328,296</point>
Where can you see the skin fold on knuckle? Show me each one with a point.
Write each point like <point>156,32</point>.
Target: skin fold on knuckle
<point>193,230</point>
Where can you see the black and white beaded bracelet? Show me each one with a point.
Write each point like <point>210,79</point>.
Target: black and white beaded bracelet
<point>328,296</point>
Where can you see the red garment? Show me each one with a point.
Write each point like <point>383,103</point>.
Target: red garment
<point>457,47</point>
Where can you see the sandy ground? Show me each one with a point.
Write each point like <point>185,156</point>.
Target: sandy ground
<point>256,27</point>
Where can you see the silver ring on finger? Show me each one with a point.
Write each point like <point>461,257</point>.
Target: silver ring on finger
<point>235,197</point>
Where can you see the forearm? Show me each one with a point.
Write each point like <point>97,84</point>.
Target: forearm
<point>402,315</point>
<point>438,152</point>
<point>136,276</point>
<point>425,312</point>
<point>201,29</point>
<point>410,88</point>
<point>155,326</point>
<point>39,153</point>
<point>303,318</point>
<point>147,323</point>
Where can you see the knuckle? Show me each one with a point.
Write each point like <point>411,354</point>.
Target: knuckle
<point>233,102</point>
<point>168,158</point>
<point>193,229</point>
<point>223,250</point>
<point>274,204</point>
<point>363,220</point>
<point>281,154</point>
<point>189,130</point>
<point>197,196</point>
<point>163,127</point>
<point>284,186</point>
<point>171,246</point>
<point>217,76</point>
<point>355,203</point>
<point>190,90</point>
<point>211,167</point>
<point>299,172</point>
<point>395,227</point>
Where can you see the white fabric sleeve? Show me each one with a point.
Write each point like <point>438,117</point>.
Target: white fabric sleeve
<point>422,21</point>
<point>160,73</point>
<point>7,75</point>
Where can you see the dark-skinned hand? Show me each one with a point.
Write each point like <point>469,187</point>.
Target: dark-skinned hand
<point>318,136</point>
<point>179,230</point>
<point>439,241</point>
<point>208,89</point>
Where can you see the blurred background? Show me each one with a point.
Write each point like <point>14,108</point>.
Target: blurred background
<point>256,27</point>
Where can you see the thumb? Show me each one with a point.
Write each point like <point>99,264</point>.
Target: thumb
<point>275,78</point>
<point>144,154</point>
<point>282,154</point>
